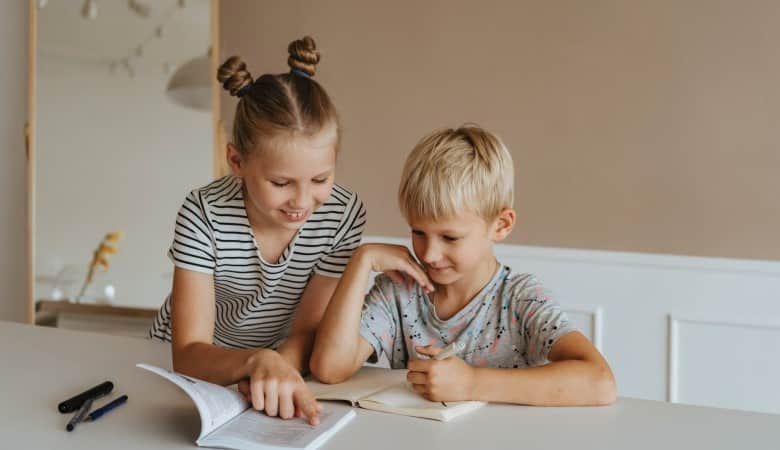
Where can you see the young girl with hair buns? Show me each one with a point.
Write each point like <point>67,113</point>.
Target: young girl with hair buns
<point>258,253</point>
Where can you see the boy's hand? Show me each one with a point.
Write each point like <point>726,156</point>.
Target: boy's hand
<point>450,379</point>
<point>395,261</point>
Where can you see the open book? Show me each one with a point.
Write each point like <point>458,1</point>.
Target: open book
<point>227,421</point>
<point>386,390</point>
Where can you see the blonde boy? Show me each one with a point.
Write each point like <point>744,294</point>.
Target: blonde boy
<point>456,193</point>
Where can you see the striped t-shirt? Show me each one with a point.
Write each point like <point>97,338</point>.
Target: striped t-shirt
<point>256,300</point>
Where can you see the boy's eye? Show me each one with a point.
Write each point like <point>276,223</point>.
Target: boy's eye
<point>418,233</point>
<point>282,184</point>
<point>451,238</point>
<point>320,180</point>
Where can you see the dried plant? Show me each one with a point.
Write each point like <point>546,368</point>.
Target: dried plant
<point>101,256</point>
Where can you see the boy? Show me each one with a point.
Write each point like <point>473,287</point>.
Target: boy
<point>456,194</point>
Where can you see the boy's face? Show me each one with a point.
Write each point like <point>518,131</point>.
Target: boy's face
<point>459,246</point>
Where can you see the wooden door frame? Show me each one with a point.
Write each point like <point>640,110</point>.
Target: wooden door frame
<point>30,130</point>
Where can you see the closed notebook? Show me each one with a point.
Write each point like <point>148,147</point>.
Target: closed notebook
<point>386,390</point>
<point>227,421</point>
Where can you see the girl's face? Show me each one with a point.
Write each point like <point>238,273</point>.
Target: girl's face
<point>288,182</point>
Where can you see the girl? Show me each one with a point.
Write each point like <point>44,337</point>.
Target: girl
<point>258,253</point>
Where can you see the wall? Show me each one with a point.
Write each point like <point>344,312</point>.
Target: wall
<point>114,153</point>
<point>635,126</point>
<point>13,180</point>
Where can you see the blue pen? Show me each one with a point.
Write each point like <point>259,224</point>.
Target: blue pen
<point>94,415</point>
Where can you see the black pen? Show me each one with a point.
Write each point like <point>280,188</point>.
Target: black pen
<point>79,416</point>
<point>74,403</point>
<point>94,415</point>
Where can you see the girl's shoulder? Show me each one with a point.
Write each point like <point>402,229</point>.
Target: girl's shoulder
<point>341,195</point>
<point>226,189</point>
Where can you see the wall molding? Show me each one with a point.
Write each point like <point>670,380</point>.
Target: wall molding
<point>673,353</point>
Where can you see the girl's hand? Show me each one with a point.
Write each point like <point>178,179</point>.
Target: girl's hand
<point>274,386</point>
<point>396,261</point>
<point>450,379</point>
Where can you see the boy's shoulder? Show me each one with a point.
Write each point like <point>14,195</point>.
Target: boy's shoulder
<point>394,289</point>
<point>522,285</point>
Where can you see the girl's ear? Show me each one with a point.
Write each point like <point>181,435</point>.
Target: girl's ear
<point>503,224</point>
<point>234,159</point>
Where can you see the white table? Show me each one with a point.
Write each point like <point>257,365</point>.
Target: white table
<point>39,367</point>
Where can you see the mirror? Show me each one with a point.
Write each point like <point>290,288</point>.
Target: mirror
<point>124,130</point>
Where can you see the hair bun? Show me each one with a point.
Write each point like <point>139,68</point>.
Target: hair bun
<point>233,75</point>
<point>303,55</point>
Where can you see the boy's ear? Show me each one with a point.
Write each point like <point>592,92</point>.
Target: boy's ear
<point>504,224</point>
<point>234,159</point>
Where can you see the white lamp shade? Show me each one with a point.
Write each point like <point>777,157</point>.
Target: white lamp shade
<point>190,85</point>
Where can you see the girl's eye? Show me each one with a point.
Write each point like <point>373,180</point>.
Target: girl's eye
<point>280,184</point>
<point>418,233</point>
<point>451,238</point>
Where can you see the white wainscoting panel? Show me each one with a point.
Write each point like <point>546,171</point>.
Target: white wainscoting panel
<point>725,363</point>
<point>622,301</point>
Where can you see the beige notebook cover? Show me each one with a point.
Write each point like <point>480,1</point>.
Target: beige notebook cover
<point>386,390</point>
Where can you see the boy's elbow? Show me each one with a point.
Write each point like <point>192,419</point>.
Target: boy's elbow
<point>606,388</point>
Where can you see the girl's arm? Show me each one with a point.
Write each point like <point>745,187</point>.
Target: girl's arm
<point>277,386</point>
<point>298,346</point>
<point>339,350</point>
<point>576,376</point>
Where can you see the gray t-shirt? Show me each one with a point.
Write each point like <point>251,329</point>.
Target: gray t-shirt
<point>512,322</point>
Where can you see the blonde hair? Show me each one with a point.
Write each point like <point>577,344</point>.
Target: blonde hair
<point>452,170</point>
<point>285,104</point>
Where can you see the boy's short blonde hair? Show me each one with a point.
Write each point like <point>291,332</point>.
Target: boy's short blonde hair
<point>453,170</point>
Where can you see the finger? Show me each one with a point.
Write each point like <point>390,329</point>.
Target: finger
<point>243,388</point>
<point>415,271</point>
<point>419,365</point>
<point>421,389</point>
<point>395,276</point>
<point>307,405</point>
<point>286,405</point>
<point>271,398</point>
<point>428,350</point>
<point>258,398</point>
<point>416,378</point>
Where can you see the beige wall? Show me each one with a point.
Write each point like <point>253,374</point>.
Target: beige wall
<point>639,126</point>
<point>13,187</point>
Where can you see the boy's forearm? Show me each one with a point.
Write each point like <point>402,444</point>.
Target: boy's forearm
<point>560,383</point>
<point>338,336</point>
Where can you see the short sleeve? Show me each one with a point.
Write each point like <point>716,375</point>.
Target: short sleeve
<point>346,241</point>
<point>192,246</point>
<point>541,319</point>
<point>378,324</point>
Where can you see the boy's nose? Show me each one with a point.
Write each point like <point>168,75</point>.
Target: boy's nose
<point>430,254</point>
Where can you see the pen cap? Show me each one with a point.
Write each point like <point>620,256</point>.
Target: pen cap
<point>74,403</point>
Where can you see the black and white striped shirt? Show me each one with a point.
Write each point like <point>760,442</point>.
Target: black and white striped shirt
<point>256,300</point>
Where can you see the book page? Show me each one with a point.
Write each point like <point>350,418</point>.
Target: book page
<point>255,430</point>
<point>401,399</point>
<point>365,382</point>
<point>216,404</point>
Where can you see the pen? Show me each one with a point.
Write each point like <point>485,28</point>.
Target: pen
<point>448,351</point>
<point>94,415</point>
<point>75,402</point>
<point>79,416</point>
